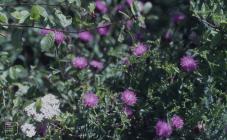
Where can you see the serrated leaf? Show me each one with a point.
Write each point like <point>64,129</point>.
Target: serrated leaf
<point>63,19</point>
<point>91,7</point>
<point>21,16</point>
<point>3,18</point>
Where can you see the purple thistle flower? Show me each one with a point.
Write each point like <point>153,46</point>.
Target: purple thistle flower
<point>178,17</point>
<point>101,6</point>
<point>59,37</point>
<point>129,2</point>
<point>79,62</point>
<point>119,7</point>
<point>128,111</point>
<point>188,63</point>
<point>125,61</point>
<point>177,122</point>
<point>129,24</point>
<point>96,64</point>
<point>140,50</point>
<point>85,36</point>
<point>104,31</point>
<point>128,97</point>
<point>42,129</point>
<point>163,129</point>
<point>90,99</point>
<point>45,31</point>
<point>168,36</point>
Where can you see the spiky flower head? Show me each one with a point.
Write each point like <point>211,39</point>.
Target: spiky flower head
<point>129,24</point>
<point>128,111</point>
<point>90,99</point>
<point>59,37</point>
<point>85,36</point>
<point>101,6</point>
<point>188,63</point>
<point>177,122</point>
<point>129,97</point>
<point>79,62</point>
<point>168,36</point>
<point>163,129</point>
<point>104,30</point>
<point>140,50</point>
<point>42,129</point>
<point>98,65</point>
<point>129,2</point>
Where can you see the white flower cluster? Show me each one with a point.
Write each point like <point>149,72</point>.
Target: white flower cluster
<point>49,108</point>
<point>28,129</point>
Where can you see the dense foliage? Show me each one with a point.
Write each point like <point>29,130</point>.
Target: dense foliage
<point>113,69</point>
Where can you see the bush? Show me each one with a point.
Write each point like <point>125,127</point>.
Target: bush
<point>113,69</point>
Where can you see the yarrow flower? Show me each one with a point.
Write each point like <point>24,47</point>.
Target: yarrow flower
<point>188,63</point>
<point>28,129</point>
<point>49,108</point>
<point>163,129</point>
<point>104,31</point>
<point>177,122</point>
<point>79,62</point>
<point>101,6</point>
<point>128,111</point>
<point>140,50</point>
<point>96,64</point>
<point>85,36</point>
<point>128,97</point>
<point>90,99</point>
<point>59,37</point>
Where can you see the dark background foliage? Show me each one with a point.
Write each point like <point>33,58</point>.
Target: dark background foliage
<point>29,69</point>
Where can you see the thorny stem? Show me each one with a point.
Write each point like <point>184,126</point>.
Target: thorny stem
<point>206,23</point>
<point>30,4</point>
<point>64,31</point>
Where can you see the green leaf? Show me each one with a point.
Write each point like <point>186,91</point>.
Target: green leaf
<point>91,7</point>
<point>62,18</point>
<point>38,11</point>
<point>47,42</point>
<point>22,89</point>
<point>147,7</point>
<point>38,104</point>
<point>17,72</point>
<point>3,18</point>
<point>21,16</point>
<point>72,1</point>
<point>121,35</point>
